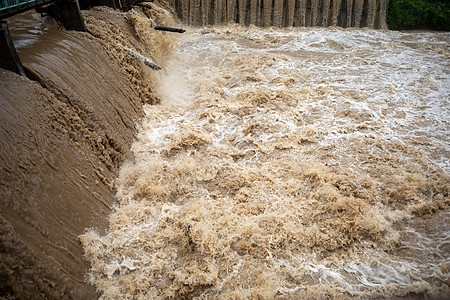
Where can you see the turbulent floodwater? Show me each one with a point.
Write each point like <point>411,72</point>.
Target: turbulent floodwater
<point>288,163</point>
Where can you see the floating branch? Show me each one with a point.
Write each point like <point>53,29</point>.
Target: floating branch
<point>140,57</point>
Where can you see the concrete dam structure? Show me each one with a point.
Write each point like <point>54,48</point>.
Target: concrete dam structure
<point>284,13</point>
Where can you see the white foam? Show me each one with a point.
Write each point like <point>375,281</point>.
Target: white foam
<point>324,107</point>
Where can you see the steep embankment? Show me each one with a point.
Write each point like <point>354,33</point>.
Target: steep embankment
<point>64,133</point>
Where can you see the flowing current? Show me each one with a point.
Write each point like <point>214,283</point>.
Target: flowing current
<point>286,163</point>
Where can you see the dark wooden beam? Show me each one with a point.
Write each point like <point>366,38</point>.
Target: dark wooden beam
<point>68,12</point>
<point>9,59</point>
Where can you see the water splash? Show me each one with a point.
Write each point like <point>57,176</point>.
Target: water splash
<point>301,163</point>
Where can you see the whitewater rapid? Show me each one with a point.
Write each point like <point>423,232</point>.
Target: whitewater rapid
<point>286,163</point>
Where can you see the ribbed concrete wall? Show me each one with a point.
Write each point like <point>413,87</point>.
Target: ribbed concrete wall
<point>284,13</point>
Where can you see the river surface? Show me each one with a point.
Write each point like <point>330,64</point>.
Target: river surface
<point>287,163</point>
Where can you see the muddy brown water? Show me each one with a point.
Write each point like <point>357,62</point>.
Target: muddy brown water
<point>287,163</point>
<point>300,163</point>
<point>63,135</point>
